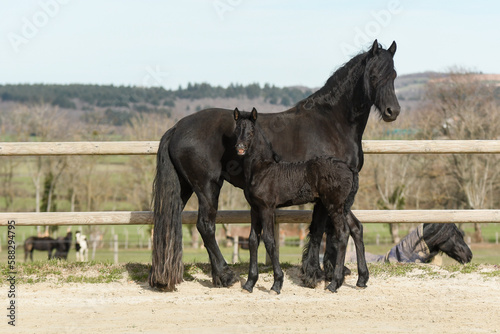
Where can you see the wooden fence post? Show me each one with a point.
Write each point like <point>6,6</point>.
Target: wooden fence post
<point>236,254</point>
<point>116,247</point>
<point>94,246</point>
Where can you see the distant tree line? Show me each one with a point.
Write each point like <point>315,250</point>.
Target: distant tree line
<point>139,98</point>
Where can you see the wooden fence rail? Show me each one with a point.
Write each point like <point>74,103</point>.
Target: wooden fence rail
<point>151,147</point>
<point>240,217</point>
<point>236,217</point>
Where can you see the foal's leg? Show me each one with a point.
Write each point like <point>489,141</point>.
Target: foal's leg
<point>311,271</point>
<point>208,198</point>
<point>340,237</point>
<point>253,245</point>
<point>356,230</point>
<point>268,222</point>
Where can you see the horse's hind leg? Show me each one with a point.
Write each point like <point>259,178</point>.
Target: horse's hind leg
<point>356,230</point>
<point>340,237</point>
<point>311,271</point>
<point>208,198</point>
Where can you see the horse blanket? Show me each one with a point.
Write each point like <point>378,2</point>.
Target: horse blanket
<point>411,248</point>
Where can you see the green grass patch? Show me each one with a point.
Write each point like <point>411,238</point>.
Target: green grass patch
<point>60,272</point>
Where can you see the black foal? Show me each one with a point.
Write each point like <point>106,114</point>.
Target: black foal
<point>272,184</point>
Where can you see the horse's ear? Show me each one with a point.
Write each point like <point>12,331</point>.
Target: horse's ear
<point>392,48</point>
<point>374,49</point>
<point>236,114</point>
<point>254,114</point>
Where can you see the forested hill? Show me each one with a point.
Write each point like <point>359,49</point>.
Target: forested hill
<point>65,96</point>
<point>117,105</point>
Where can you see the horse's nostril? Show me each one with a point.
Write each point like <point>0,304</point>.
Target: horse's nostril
<point>388,112</point>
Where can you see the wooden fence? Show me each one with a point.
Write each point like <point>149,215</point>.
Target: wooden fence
<point>236,217</point>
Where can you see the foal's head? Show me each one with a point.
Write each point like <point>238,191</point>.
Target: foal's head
<point>379,81</point>
<point>447,238</point>
<point>245,130</point>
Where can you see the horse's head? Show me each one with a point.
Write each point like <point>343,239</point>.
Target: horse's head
<point>245,130</point>
<point>447,238</point>
<point>379,81</point>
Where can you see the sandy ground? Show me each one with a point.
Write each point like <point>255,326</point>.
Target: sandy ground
<point>461,303</point>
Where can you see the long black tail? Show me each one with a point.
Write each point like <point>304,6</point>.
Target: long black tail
<point>167,267</point>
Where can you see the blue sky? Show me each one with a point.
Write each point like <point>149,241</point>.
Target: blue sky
<point>286,43</point>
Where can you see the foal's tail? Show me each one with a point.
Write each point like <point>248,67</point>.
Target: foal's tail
<point>167,267</point>
<point>354,190</point>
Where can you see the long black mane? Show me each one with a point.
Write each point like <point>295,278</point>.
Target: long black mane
<point>436,234</point>
<point>341,81</point>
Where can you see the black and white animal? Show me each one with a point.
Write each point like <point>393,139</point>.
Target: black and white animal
<point>81,246</point>
<point>272,184</point>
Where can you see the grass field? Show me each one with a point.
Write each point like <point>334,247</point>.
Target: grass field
<point>487,253</point>
<point>482,253</point>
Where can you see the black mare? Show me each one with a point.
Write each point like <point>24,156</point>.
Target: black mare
<point>272,184</point>
<point>197,155</point>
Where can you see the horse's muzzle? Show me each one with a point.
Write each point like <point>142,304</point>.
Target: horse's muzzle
<point>241,149</point>
<point>391,114</point>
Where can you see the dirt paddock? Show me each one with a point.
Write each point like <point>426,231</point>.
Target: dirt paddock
<point>416,303</point>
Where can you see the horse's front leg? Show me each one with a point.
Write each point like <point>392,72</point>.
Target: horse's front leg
<point>268,222</point>
<point>311,271</point>
<point>208,199</point>
<point>356,230</point>
<point>253,245</point>
<point>339,239</point>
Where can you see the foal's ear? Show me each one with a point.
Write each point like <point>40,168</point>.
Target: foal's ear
<point>254,114</point>
<point>392,48</point>
<point>236,114</point>
<point>374,49</point>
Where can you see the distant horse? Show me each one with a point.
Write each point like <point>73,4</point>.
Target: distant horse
<point>82,248</point>
<point>63,245</point>
<point>424,243</point>
<point>197,155</point>
<point>272,184</point>
<point>38,243</point>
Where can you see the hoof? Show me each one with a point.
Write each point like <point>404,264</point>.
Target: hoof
<point>310,279</point>
<point>332,288</point>
<point>273,293</point>
<point>360,287</point>
<point>246,291</point>
<point>228,278</point>
<point>247,288</point>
